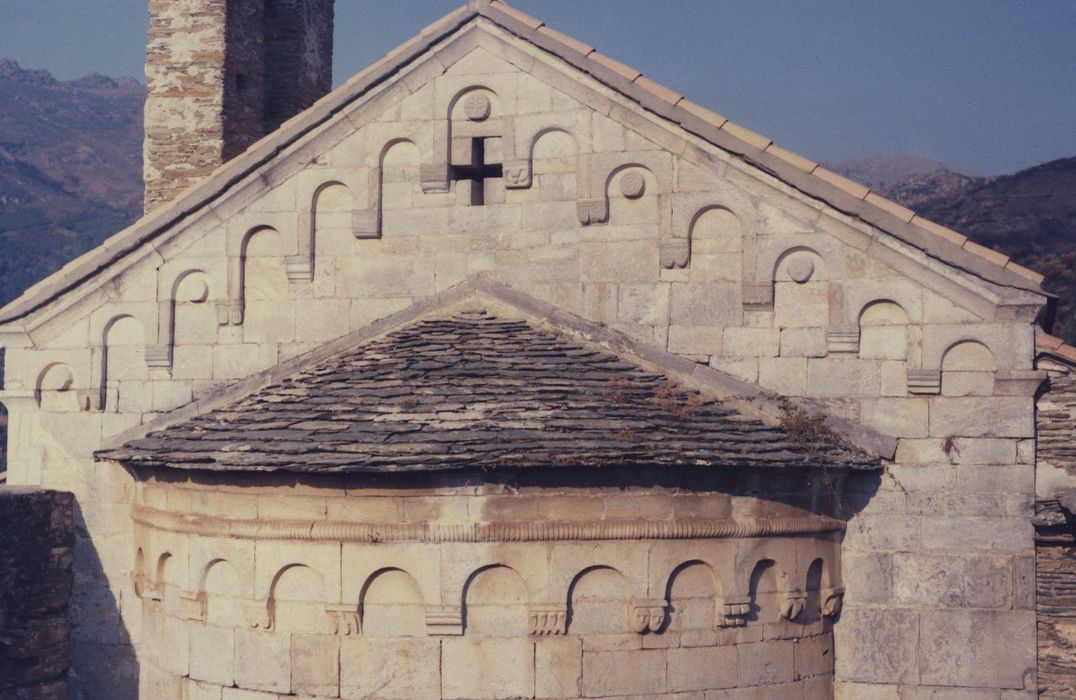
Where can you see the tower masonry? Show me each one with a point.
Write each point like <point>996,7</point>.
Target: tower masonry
<point>223,73</point>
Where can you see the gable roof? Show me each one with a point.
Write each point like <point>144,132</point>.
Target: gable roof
<point>796,171</point>
<point>471,390</point>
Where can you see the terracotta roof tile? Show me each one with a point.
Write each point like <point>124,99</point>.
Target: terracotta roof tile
<point>902,213</point>
<point>983,252</point>
<point>744,134</point>
<point>1047,341</point>
<point>629,73</point>
<point>805,164</point>
<point>573,44</point>
<point>1068,352</point>
<point>839,181</point>
<point>702,113</point>
<point>658,90</point>
<point>518,15</point>
<point>474,391</point>
<point>938,230</point>
<point>1025,272</point>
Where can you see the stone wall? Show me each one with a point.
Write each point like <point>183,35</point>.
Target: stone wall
<point>610,214</point>
<point>487,585</point>
<point>1056,534</point>
<point>223,73</point>
<point>36,576</point>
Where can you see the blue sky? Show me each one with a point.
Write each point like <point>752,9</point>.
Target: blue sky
<point>986,85</point>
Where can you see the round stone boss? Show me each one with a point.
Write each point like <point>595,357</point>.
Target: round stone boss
<point>633,185</point>
<point>801,268</point>
<point>477,107</point>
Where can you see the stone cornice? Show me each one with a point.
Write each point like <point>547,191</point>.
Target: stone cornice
<point>480,532</point>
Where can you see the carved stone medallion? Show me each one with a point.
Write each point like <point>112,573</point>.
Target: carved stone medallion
<point>633,185</point>
<point>477,107</point>
<point>801,269</point>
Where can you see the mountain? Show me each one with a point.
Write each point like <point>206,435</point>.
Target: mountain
<point>70,168</point>
<point>910,180</point>
<point>1029,215</point>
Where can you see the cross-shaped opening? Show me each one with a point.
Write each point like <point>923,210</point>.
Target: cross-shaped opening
<point>477,171</point>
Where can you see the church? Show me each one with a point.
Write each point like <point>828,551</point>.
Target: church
<point>503,371</point>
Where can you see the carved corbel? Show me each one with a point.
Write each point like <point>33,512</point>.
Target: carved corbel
<point>648,615</point>
<point>435,177</point>
<point>832,601</point>
<point>194,605</point>
<point>344,620</point>
<point>675,253</point>
<point>259,614</point>
<point>299,268</point>
<point>90,400</point>
<point>842,339</point>
<point>159,356</point>
<point>366,224</point>
<point>518,175</point>
<point>593,211</point>
<point>230,312</point>
<point>792,604</point>
<point>924,381</point>
<point>757,296</point>
<point>733,611</point>
<point>444,620</point>
<point>548,620</point>
<point>1018,382</point>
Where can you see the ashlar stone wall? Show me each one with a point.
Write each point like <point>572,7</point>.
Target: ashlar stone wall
<point>490,158</point>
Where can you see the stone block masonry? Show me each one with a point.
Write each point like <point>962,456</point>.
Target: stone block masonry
<point>221,74</point>
<point>36,576</point>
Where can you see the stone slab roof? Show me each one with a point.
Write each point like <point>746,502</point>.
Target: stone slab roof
<point>471,390</point>
<point>796,171</point>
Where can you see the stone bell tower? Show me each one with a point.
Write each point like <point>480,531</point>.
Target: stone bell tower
<point>223,73</point>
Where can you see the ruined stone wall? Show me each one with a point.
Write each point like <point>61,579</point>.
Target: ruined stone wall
<point>1056,534</point>
<point>616,217</point>
<point>223,73</point>
<point>36,574</point>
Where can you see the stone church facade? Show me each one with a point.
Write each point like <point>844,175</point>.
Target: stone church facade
<point>503,371</point>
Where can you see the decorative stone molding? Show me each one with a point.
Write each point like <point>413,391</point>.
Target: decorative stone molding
<point>632,185</point>
<point>436,532</point>
<point>648,615</point>
<point>801,268</point>
<point>194,605</point>
<point>366,224</point>
<point>842,339</point>
<point>344,620</point>
<point>924,381</point>
<point>444,620</point>
<point>548,620</point>
<point>259,614</point>
<point>792,604</point>
<point>832,601</point>
<point>733,611</point>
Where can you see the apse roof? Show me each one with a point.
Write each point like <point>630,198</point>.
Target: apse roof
<point>474,390</point>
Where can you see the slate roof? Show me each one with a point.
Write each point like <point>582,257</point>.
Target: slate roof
<point>798,172</point>
<point>474,390</point>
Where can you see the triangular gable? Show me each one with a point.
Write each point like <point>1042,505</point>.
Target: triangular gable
<point>1000,275</point>
<point>222,431</point>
